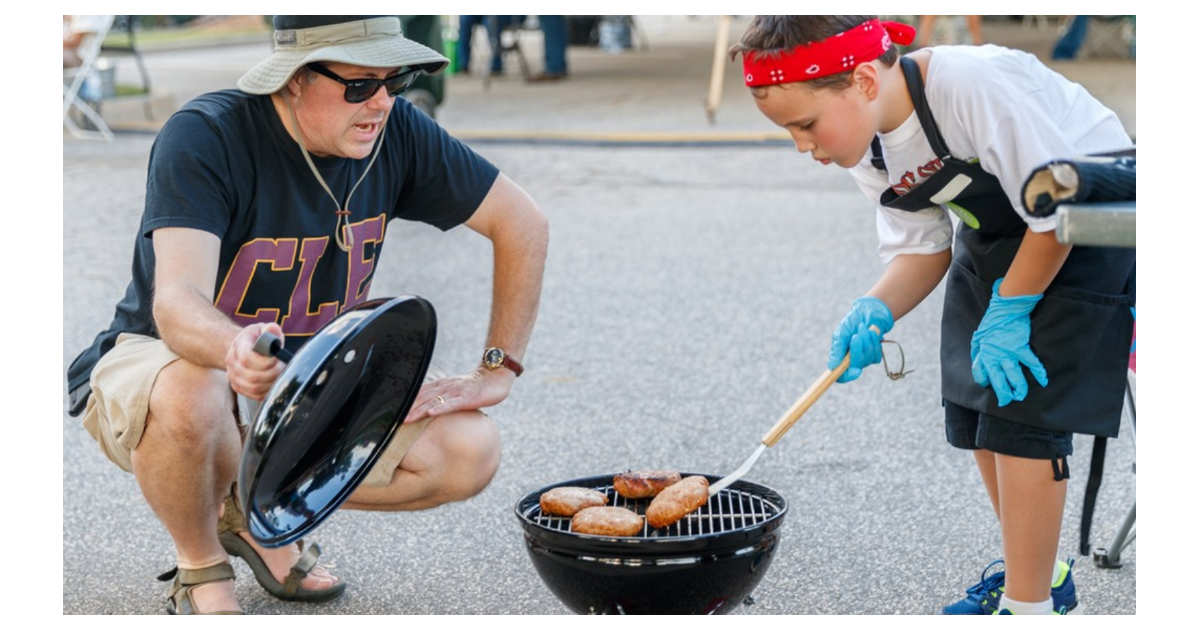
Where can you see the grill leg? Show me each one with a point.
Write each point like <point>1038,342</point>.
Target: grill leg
<point>1110,558</point>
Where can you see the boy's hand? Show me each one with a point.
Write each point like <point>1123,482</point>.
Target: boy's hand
<point>1001,346</point>
<point>854,335</point>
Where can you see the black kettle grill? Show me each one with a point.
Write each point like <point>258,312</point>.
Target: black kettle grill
<point>707,563</point>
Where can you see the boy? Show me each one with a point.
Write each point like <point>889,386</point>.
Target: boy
<point>957,129</point>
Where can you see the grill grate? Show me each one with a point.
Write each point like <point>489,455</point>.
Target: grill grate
<point>730,510</point>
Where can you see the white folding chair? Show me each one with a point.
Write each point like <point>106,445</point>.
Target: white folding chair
<point>74,78</point>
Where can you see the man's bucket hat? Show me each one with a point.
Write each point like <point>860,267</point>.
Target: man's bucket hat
<point>374,41</point>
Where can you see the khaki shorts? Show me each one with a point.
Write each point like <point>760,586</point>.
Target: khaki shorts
<point>121,382</point>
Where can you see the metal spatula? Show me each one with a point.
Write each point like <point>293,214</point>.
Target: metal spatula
<point>784,424</point>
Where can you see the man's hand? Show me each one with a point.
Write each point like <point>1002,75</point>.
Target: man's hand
<point>479,389</point>
<point>250,373</point>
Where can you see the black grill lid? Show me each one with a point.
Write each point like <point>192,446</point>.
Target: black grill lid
<point>331,414</point>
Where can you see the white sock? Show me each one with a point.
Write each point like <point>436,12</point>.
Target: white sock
<point>1026,608</point>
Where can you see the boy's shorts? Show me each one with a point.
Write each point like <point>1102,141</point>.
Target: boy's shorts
<point>972,430</point>
<point>121,382</point>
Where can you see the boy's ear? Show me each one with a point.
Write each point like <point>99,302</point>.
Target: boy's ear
<point>866,78</point>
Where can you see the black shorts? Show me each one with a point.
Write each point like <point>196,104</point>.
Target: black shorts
<point>972,430</point>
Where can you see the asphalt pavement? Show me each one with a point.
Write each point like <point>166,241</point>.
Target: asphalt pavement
<point>697,267</point>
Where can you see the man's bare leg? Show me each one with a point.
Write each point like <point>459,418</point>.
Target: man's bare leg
<point>454,459</point>
<point>185,463</point>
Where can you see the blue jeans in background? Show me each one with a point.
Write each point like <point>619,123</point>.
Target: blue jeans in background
<point>1069,44</point>
<point>554,32</point>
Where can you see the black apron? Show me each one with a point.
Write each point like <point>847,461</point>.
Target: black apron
<point>1082,328</point>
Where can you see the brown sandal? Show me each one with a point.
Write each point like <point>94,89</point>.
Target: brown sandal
<point>233,521</point>
<point>179,595</point>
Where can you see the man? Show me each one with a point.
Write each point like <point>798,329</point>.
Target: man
<point>265,211</point>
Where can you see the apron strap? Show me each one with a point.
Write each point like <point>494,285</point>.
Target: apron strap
<point>916,91</point>
<point>1099,446</point>
<point>877,154</point>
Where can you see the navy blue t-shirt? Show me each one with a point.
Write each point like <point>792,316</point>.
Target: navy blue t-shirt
<point>225,164</point>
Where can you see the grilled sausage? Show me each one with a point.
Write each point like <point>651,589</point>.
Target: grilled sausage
<point>677,501</point>
<point>642,484</point>
<point>607,521</point>
<point>568,500</point>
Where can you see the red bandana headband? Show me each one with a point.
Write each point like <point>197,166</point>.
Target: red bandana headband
<point>832,55</point>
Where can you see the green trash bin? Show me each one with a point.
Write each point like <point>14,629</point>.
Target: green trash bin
<point>429,91</point>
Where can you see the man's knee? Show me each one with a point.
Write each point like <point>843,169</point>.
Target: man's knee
<point>471,442</point>
<point>473,436</point>
<point>191,403</point>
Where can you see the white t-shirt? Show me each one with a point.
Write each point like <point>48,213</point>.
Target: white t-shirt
<point>1001,106</point>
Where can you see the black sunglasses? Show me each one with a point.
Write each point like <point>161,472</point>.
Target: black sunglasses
<point>359,90</point>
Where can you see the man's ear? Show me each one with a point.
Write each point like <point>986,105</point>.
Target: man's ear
<point>293,84</point>
<point>866,78</point>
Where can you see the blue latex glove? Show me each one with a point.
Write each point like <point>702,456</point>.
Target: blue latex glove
<point>854,336</point>
<point>1001,346</point>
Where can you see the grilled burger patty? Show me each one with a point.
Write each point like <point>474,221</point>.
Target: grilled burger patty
<point>677,501</point>
<point>607,521</point>
<point>643,484</point>
<point>568,500</point>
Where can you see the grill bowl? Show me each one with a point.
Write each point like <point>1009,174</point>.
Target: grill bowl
<point>707,563</point>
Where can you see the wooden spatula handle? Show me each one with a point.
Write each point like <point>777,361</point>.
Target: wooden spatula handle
<point>808,398</point>
<point>814,392</point>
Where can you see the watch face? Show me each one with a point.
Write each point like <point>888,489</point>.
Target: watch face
<point>493,358</point>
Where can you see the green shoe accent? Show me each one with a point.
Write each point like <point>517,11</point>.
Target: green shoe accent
<point>1064,569</point>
